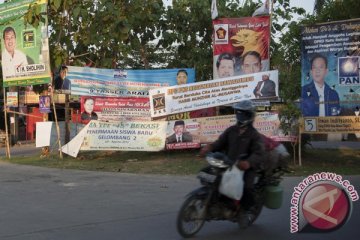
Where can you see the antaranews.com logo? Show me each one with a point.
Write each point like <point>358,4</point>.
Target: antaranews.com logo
<point>322,202</point>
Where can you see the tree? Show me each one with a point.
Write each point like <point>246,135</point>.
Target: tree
<point>104,33</point>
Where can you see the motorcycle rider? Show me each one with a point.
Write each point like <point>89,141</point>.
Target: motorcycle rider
<point>244,146</point>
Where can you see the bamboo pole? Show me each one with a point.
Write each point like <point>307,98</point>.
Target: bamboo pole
<point>6,127</point>
<point>300,128</point>
<point>56,122</point>
<point>25,114</point>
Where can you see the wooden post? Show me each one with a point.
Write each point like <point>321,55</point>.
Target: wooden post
<point>300,128</point>
<point>6,127</point>
<point>67,118</point>
<point>56,122</point>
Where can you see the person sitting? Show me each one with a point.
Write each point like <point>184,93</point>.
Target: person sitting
<point>244,146</point>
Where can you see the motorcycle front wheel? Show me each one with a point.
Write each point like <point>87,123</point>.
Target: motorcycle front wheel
<point>191,216</point>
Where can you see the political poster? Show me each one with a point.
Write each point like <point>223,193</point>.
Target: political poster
<point>114,109</point>
<point>182,134</point>
<point>212,127</point>
<point>12,99</point>
<point>44,104</point>
<point>24,49</point>
<point>125,136</point>
<point>339,124</point>
<point>330,68</point>
<point>268,123</point>
<point>176,99</point>
<point>87,81</point>
<point>241,46</point>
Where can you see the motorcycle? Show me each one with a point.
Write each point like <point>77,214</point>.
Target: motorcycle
<point>207,204</point>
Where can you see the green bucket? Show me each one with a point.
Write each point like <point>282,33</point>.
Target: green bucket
<point>273,197</point>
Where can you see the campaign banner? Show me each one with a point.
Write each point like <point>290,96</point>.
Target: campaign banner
<point>241,46</point>
<point>339,124</point>
<point>28,97</point>
<point>206,112</point>
<point>182,134</point>
<point>125,136</point>
<point>176,99</point>
<point>212,127</point>
<point>44,104</point>
<point>12,99</point>
<point>87,81</point>
<point>330,68</point>
<point>268,123</point>
<point>72,148</point>
<point>25,49</point>
<point>115,109</point>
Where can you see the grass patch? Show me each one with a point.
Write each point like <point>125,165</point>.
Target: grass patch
<point>187,162</point>
<point>340,161</point>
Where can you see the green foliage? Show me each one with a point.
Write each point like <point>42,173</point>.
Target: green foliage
<point>188,36</point>
<point>145,34</point>
<point>136,34</point>
<point>334,10</point>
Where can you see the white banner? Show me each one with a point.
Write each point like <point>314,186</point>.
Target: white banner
<point>125,136</point>
<point>43,134</point>
<point>189,97</point>
<point>72,148</point>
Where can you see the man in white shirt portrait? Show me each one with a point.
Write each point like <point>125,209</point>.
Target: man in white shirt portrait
<point>318,98</point>
<point>11,57</point>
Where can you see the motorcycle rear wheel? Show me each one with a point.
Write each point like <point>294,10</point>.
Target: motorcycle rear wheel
<point>191,216</point>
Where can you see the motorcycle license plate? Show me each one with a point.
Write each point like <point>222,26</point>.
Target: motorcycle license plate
<point>207,177</point>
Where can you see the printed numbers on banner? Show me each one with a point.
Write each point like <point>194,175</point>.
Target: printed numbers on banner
<point>310,125</point>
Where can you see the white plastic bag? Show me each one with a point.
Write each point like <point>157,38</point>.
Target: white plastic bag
<point>232,183</point>
<point>281,150</point>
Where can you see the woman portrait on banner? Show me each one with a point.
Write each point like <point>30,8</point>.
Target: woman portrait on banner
<point>88,114</point>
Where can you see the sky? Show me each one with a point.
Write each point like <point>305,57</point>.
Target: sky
<point>308,5</point>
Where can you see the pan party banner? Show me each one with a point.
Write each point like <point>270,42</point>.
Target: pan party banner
<point>330,60</point>
<point>24,49</point>
<point>243,41</point>
<point>125,136</point>
<point>189,97</point>
<point>87,81</point>
<point>344,124</point>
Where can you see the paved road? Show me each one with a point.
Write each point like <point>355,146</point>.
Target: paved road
<point>41,204</point>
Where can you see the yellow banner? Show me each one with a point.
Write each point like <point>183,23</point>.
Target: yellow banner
<point>344,124</point>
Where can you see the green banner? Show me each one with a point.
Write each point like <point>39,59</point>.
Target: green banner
<point>24,49</point>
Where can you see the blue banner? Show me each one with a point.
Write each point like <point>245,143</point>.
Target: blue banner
<point>124,83</point>
<point>330,69</point>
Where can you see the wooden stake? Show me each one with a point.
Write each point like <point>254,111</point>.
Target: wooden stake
<point>6,127</point>
<point>301,122</point>
<point>56,122</point>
